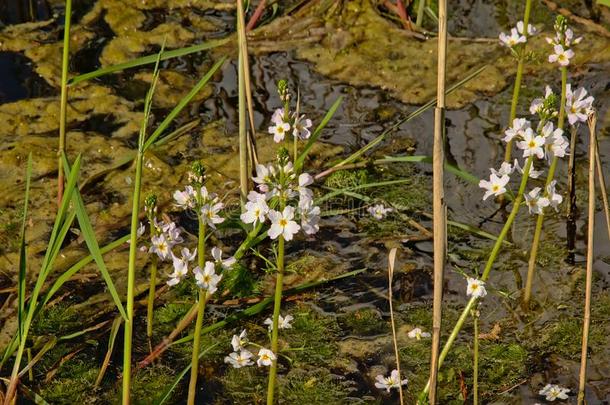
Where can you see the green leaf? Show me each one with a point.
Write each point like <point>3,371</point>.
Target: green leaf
<point>603,3</point>
<point>316,134</point>
<point>146,60</point>
<point>170,117</point>
<point>21,283</point>
<point>91,241</point>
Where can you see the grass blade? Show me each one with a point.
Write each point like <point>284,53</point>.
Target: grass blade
<point>116,325</point>
<point>146,60</point>
<point>22,249</point>
<point>170,117</point>
<point>91,241</point>
<point>316,134</point>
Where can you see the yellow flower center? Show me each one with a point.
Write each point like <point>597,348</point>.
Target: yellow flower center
<point>283,222</point>
<point>532,144</point>
<point>495,187</point>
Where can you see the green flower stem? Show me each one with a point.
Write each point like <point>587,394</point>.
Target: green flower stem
<point>200,312</point>
<point>151,296</point>
<point>518,78</point>
<point>131,276</point>
<point>277,303</point>
<point>475,366</point>
<point>489,265</point>
<point>527,294</point>
<point>63,103</point>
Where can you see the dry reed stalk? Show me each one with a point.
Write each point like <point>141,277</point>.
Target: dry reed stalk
<point>589,277</point>
<point>438,204</point>
<point>391,261</point>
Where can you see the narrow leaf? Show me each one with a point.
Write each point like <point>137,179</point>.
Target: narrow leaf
<point>21,284</point>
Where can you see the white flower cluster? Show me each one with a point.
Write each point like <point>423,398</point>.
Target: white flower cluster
<point>418,334</point>
<point>553,392</point>
<point>392,381</point>
<point>206,203</point>
<point>378,211</point>
<point>475,288</point>
<point>517,35</point>
<point>285,121</point>
<point>578,105</point>
<point>276,182</point>
<point>564,38</point>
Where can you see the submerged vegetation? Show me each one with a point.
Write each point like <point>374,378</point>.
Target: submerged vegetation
<point>228,202</point>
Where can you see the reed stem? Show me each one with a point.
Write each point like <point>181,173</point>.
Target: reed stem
<point>531,267</point>
<point>202,298</point>
<point>243,136</point>
<point>571,209</point>
<point>475,365</point>
<point>603,190</point>
<point>63,103</point>
<point>590,250</point>
<point>518,78</point>
<point>151,298</point>
<point>488,266</point>
<point>277,303</point>
<point>438,202</point>
<point>391,261</point>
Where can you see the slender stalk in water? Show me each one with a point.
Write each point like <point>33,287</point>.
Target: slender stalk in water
<point>391,260</point>
<point>150,205</point>
<point>602,189</point>
<point>527,294</point>
<point>475,360</point>
<point>590,250</point>
<point>438,204</point>
<point>63,101</point>
<point>488,267</point>
<point>243,137</point>
<point>202,298</point>
<point>518,78</point>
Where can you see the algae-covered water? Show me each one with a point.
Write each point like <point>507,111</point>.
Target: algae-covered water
<point>341,336</point>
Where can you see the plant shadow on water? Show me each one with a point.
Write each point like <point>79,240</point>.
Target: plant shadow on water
<point>341,336</point>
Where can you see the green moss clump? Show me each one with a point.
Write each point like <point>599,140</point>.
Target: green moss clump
<point>347,178</point>
<point>73,383</point>
<point>149,383</point>
<point>414,195</point>
<point>311,387</point>
<point>364,322</point>
<point>245,385</point>
<point>551,253</point>
<point>56,320</point>
<point>167,316</point>
<point>312,337</point>
<point>562,337</point>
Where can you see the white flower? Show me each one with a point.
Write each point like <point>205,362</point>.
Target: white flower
<point>495,186</point>
<point>282,323</point>
<point>305,194</point>
<point>310,216</point>
<point>226,263</point>
<point>239,342</point>
<point>185,199</point>
<point>282,224</point>
<point>556,143</point>
<point>278,116</point>
<point>513,39</point>
<point>264,177</point>
<point>561,55</point>
<point>256,209</point>
<point>265,357</point>
<point>569,38</point>
<point>532,144</point>
<point>417,333</point>
<point>535,202</point>
<point>378,211</point>
<point>180,265</point>
<point>578,105</point>
<point>554,198</point>
<point>141,230</point>
<point>161,247</point>
<point>538,103</point>
<point>387,383</point>
<point>476,288</point>
<point>520,125</point>
<point>553,392</point>
<point>172,233</point>
<point>209,213</point>
<point>279,131</point>
<point>505,169</point>
<point>534,174</point>
<point>207,279</point>
<point>241,359</point>
<point>531,30</point>
<point>301,127</point>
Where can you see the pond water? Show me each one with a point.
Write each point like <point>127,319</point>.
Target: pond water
<point>341,338</point>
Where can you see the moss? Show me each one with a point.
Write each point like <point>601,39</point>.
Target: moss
<point>551,253</point>
<point>56,320</point>
<point>240,281</point>
<point>149,383</point>
<point>73,383</point>
<point>347,178</point>
<point>245,385</point>
<point>311,387</point>
<point>167,317</point>
<point>364,322</point>
<point>559,337</point>
<point>312,337</point>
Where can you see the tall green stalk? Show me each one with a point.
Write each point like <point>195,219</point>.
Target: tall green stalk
<point>475,360</point>
<point>133,238</point>
<point>243,137</point>
<point>151,298</point>
<point>202,298</point>
<point>488,266</point>
<point>527,294</point>
<point>518,78</point>
<point>63,104</point>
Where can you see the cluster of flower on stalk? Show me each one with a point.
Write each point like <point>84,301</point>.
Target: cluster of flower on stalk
<point>242,356</point>
<point>517,36</point>
<point>285,122</point>
<point>196,198</point>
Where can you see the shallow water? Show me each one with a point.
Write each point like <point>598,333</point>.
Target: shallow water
<point>357,307</point>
